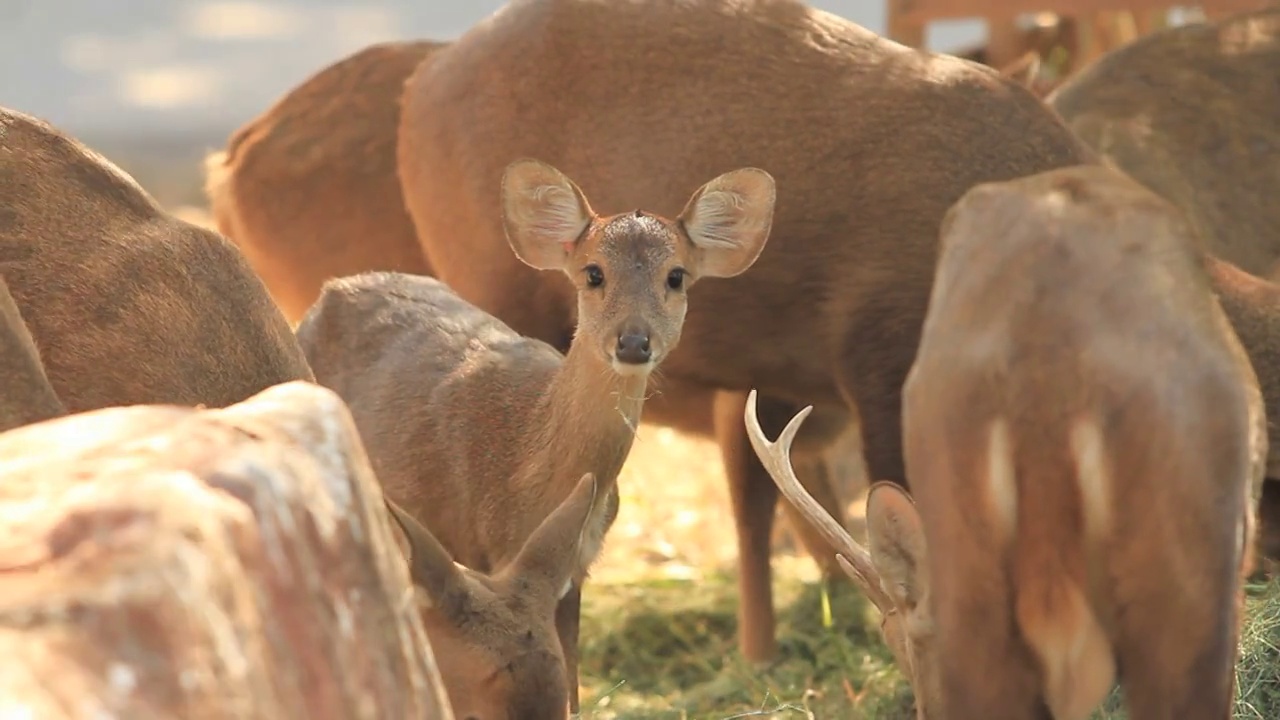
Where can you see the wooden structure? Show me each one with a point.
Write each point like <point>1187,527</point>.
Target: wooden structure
<point>1084,29</point>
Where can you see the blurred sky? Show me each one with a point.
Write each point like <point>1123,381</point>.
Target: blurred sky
<point>178,67</point>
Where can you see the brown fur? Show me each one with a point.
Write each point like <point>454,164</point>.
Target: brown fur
<point>870,143</point>
<point>308,188</point>
<point>502,425</point>
<point>1066,300</point>
<point>127,304</point>
<point>25,394</point>
<point>1190,112</point>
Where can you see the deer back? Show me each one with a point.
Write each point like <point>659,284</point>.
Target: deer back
<point>675,96</point>
<point>1190,112</point>
<point>127,304</point>
<point>439,389</point>
<point>308,189</point>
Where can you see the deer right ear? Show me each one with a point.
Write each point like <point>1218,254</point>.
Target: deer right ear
<point>550,555</point>
<point>431,567</point>
<point>543,214</point>
<point>728,221</point>
<point>895,536</point>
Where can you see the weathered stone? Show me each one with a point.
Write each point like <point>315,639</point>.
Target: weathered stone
<point>165,562</point>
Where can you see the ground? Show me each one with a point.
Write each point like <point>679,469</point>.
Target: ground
<point>658,628</point>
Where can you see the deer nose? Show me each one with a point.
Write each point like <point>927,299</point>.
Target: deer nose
<point>633,348</point>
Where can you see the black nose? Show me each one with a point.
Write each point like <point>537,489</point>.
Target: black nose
<point>633,349</point>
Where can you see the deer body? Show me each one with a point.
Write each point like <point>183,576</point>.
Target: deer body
<point>478,432</point>
<point>1086,442</point>
<point>1079,388</point>
<point>308,189</point>
<point>870,143</point>
<point>1189,112</point>
<point>127,304</point>
<point>486,413</point>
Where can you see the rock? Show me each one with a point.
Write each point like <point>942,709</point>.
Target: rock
<point>166,562</point>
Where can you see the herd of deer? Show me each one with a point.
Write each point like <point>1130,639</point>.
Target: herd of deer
<point>1051,321</point>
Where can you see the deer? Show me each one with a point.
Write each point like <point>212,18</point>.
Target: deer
<point>308,189</point>
<point>26,395</point>
<point>334,137</point>
<point>1079,410</point>
<point>830,313</point>
<point>126,304</point>
<point>505,423</point>
<point>1131,106</point>
<point>497,631</point>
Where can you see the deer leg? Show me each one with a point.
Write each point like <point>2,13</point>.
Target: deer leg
<point>568,613</point>
<point>754,498</point>
<point>1192,675</point>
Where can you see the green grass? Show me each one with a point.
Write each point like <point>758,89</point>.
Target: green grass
<point>666,650</point>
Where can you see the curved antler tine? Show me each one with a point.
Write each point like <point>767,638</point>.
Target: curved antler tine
<point>776,458</point>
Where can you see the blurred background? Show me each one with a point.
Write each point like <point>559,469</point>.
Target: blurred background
<point>153,84</point>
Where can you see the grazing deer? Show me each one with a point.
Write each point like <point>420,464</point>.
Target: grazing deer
<point>870,143</point>
<point>334,138</point>
<point>308,189</point>
<point>127,304</point>
<point>478,431</point>
<point>1190,112</point>
<point>496,634</point>
<point>1085,440</point>
<point>25,394</point>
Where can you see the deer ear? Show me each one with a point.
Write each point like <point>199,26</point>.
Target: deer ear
<point>550,555</point>
<point>543,213</point>
<point>728,221</point>
<point>431,567</point>
<point>895,538</point>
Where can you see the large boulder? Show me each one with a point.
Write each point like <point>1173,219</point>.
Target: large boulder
<point>167,562</point>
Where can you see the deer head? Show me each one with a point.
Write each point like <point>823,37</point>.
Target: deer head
<point>892,573</point>
<point>632,269</point>
<point>496,636</point>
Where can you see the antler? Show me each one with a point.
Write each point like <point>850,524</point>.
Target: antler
<point>776,457</point>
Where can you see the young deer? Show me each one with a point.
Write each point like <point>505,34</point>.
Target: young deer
<point>127,304</point>
<point>308,189</point>
<point>1085,440</point>
<point>496,634</point>
<point>25,394</point>
<point>1210,155</point>
<point>478,431</point>
<point>334,137</point>
<point>870,143</point>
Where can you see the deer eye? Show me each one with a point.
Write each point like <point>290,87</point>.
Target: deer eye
<point>675,279</point>
<point>595,276</point>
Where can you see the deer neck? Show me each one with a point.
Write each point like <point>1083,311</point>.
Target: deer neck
<point>585,422</point>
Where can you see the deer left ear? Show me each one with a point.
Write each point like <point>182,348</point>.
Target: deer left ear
<point>728,221</point>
